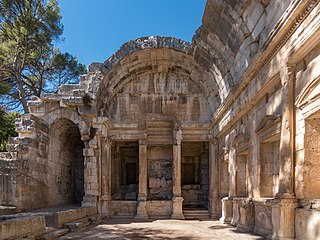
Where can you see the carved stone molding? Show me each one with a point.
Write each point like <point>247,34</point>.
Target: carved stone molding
<point>309,94</point>
<point>241,143</point>
<point>213,140</point>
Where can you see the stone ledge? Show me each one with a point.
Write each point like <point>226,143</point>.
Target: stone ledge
<point>62,217</point>
<point>22,227</point>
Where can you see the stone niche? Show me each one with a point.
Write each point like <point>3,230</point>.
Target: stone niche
<point>195,174</point>
<point>311,164</point>
<point>66,163</point>
<point>125,171</point>
<point>160,172</point>
<point>269,136</point>
<point>269,168</point>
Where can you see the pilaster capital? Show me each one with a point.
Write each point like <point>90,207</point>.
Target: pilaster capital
<point>143,142</point>
<point>213,140</point>
<point>178,137</point>
<point>107,140</point>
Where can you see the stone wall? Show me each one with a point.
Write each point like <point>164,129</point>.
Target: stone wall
<point>247,86</point>
<point>274,107</point>
<point>160,172</point>
<point>27,165</point>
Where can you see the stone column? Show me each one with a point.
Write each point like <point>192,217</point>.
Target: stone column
<point>176,178</point>
<point>143,178</point>
<point>227,202</point>
<point>283,209</point>
<point>287,139</point>
<point>106,177</point>
<point>213,178</point>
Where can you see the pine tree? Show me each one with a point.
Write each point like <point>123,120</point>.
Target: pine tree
<point>29,62</point>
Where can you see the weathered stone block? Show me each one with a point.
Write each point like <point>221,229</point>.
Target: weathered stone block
<point>62,217</point>
<point>21,227</point>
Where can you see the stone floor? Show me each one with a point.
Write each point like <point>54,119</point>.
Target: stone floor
<point>161,229</point>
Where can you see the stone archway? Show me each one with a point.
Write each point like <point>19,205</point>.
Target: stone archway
<point>66,163</point>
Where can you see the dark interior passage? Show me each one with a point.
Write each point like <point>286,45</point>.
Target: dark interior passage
<point>125,170</point>
<point>195,174</point>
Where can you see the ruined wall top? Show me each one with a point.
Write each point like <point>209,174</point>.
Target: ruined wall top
<point>139,44</point>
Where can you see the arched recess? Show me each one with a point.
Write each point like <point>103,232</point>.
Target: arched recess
<point>73,116</point>
<point>65,178</point>
<point>163,76</point>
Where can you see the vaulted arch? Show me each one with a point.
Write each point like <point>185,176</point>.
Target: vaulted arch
<point>157,67</point>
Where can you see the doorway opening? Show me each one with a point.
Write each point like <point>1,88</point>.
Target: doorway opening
<point>195,174</point>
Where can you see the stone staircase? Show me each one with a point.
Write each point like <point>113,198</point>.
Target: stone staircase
<point>52,233</point>
<point>47,223</point>
<point>196,214</point>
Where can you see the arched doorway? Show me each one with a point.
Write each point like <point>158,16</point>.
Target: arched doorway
<point>66,163</point>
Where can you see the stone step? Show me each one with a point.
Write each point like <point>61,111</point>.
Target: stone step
<point>53,233</point>
<point>77,225</point>
<point>196,216</point>
<point>199,214</point>
<point>95,219</point>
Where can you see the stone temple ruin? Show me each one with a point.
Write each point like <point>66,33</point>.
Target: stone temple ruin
<point>228,124</point>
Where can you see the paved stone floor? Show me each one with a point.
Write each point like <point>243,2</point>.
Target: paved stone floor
<point>161,229</point>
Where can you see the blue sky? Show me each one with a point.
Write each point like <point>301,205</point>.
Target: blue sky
<point>95,29</point>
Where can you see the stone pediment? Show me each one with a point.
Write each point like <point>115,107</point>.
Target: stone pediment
<point>240,139</point>
<point>309,98</point>
<point>268,122</point>
<point>241,143</point>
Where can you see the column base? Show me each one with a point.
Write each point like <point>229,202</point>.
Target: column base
<point>141,210</point>
<point>177,208</point>
<point>283,218</point>
<point>213,208</point>
<point>103,205</point>
<point>227,210</point>
<point>89,201</point>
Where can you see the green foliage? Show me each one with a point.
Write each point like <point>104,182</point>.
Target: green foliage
<point>7,128</point>
<point>29,62</point>
<point>4,88</point>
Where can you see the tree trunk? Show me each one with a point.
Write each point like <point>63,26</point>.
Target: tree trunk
<point>22,96</point>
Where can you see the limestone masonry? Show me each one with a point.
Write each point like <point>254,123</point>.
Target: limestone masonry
<point>227,126</point>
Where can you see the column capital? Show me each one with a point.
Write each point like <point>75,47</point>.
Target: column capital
<point>177,137</point>
<point>213,140</point>
<point>143,142</point>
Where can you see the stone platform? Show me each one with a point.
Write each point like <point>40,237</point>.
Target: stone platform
<point>35,223</point>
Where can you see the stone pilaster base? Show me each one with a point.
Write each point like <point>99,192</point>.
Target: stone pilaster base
<point>177,208</point>
<point>283,218</point>
<point>103,206</point>
<point>227,210</point>
<point>246,218</point>
<point>213,207</point>
<point>89,201</point>
<point>142,210</point>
